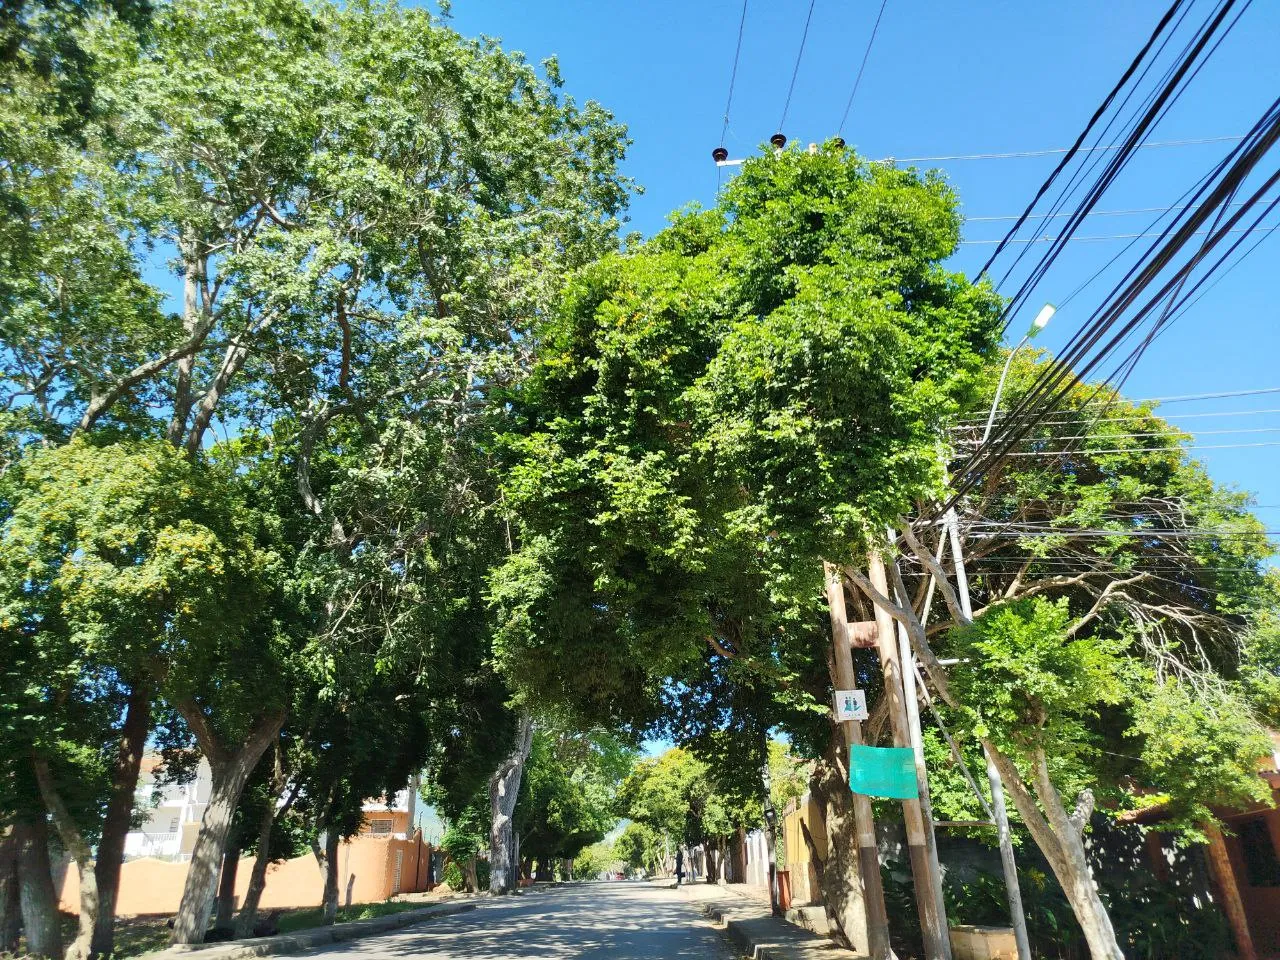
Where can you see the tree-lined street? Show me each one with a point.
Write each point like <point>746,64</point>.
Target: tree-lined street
<point>364,473</point>
<point>600,921</point>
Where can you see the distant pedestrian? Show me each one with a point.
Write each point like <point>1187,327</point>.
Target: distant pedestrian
<point>679,866</point>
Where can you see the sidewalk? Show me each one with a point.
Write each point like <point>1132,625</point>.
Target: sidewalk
<point>745,916</point>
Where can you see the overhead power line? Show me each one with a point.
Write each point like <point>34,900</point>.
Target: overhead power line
<point>890,161</point>
<point>1169,534</point>
<point>1221,395</point>
<point>1135,129</point>
<point>1112,236</point>
<point>1133,436</point>
<point>971,425</point>
<point>786,107</point>
<point>1091,213</point>
<point>733,73</point>
<point>1058,151</point>
<point>857,82</point>
<point>1177,449</point>
<point>1182,398</point>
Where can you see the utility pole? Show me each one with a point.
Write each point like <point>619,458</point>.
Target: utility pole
<point>924,869</point>
<point>864,823</point>
<point>1007,863</point>
<point>906,657</point>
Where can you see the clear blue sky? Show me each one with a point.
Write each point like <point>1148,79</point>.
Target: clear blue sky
<point>944,78</point>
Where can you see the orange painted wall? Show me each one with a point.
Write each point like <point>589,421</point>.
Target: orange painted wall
<point>366,874</point>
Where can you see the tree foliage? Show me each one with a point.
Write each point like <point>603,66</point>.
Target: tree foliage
<point>717,410</point>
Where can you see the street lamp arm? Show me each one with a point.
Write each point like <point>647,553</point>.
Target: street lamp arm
<point>995,404</point>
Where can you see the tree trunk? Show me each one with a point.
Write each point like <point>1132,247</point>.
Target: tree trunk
<point>227,886</point>
<point>739,874</point>
<point>504,787</point>
<point>516,862</point>
<point>118,816</point>
<point>10,903</point>
<point>258,878</point>
<point>78,847</point>
<point>1060,838</point>
<point>37,898</point>
<point>230,772</point>
<point>330,900</point>
<point>708,857</point>
<point>841,876</point>
<point>469,876</point>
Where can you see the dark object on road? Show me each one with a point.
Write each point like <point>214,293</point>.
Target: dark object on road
<point>269,925</point>
<point>679,867</point>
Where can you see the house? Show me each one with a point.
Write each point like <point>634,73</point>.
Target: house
<point>1244,864</point>
<point>385,817</point>
<point>170,814</point>
<point>387,857</point>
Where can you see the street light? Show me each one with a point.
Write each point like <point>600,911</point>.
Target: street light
<point>1039,323</point>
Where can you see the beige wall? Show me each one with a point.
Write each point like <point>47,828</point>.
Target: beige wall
<point>804,874</point>
<point>366,874</point>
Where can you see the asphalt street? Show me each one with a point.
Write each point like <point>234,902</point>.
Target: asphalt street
<point>620,921</point>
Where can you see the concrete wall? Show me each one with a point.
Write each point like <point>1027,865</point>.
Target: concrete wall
<point>367,873</point>
<point>757,859</point>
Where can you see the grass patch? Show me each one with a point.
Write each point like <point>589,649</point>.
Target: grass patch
<point>304,919</point>
<point>147,934</point>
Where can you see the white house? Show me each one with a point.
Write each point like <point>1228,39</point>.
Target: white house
<point>167,829</point>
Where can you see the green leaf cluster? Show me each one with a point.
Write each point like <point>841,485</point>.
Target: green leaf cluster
<point>716,411</point>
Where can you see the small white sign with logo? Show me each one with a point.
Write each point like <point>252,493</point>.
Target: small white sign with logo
<point>851,705</point>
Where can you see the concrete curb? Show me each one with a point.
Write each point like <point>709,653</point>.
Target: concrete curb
<point>309,938</point>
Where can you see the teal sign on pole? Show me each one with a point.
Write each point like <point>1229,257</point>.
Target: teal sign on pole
<point>883,772</point>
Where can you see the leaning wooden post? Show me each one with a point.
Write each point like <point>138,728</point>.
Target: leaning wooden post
<point>906,658</point>
<point>1013,891</point>
<point>877,916</point>
<point>928,882</point>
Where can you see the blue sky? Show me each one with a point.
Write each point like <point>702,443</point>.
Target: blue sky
<point>946,78</point>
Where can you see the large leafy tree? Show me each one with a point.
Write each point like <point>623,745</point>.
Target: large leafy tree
<point>1119,644</point>
<point>715,414</point>
<point>718,410</point>
<point>126,574</point>
<point>567,795</point>
<point>364,213</point>
<point>346,195</point>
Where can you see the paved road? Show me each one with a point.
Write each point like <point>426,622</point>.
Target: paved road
<point>620,921</point>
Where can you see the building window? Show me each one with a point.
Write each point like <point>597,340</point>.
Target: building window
<point>380,828</point>
<point>1260,861</point>
<point>173,825</point>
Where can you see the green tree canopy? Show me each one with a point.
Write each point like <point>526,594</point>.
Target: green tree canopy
<point>715,412</point>
<point>568,794</point>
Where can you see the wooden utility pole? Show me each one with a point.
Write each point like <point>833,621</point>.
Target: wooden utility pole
<point>1229,890</point>
<point>928,879</point>
<point>864,823</point>
<point>906,657</point>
